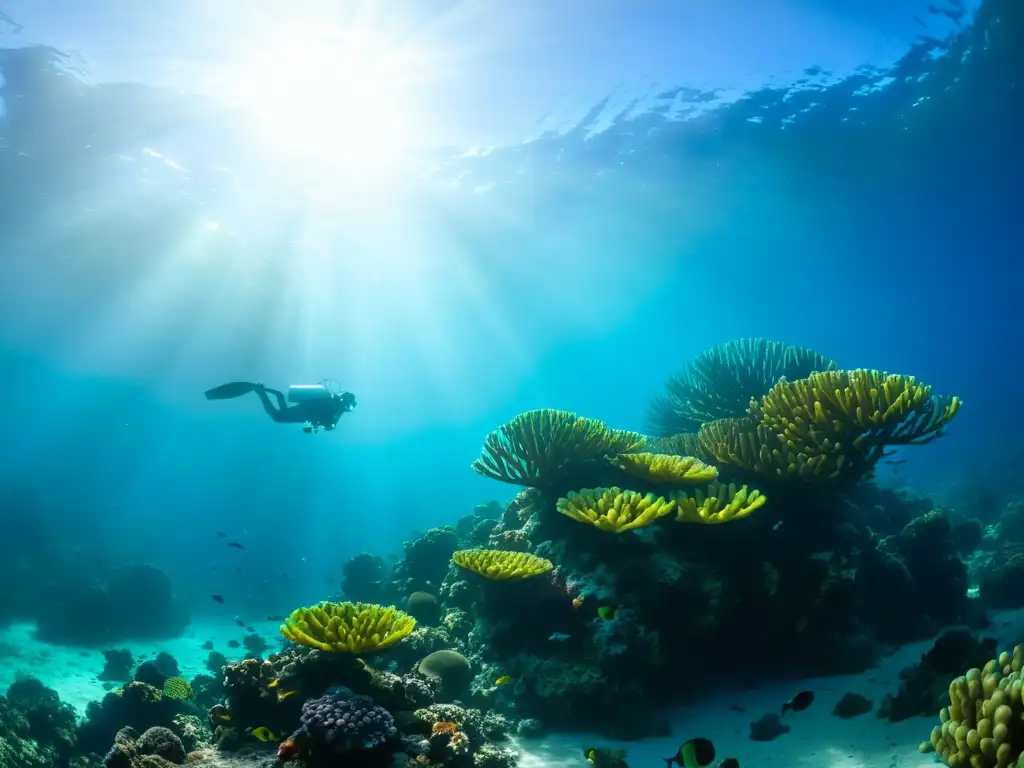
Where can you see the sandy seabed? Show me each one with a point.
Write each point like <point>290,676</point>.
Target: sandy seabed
<point>816,739</point>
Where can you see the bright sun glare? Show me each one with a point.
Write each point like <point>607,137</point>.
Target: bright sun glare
<point>342,98</point>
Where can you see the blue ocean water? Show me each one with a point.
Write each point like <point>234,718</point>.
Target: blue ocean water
<point>462,213</point>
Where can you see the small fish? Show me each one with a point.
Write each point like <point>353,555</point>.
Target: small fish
<point>590,753</point>
<point>799,703</point>
<point>729,762</point>
<point>239,622</point>
<point>607,612</point>
<point>695,753</point>
<point>208,645</point>
<point>264,734</point>
<point>282,695</point>
<point>558,637</point>
<point>503,680</point>
<point>218,598</point>
<point>222,717</point>
<point>235,544</point>
<point>273,684</point>
<point>239,569</point>
<point>249,629</point>
<point>234,644</point>
<point>221,535</point>
<point>895,462</point>
<point>274,617</point>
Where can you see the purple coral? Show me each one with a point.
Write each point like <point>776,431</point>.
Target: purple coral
<point>342,721</point>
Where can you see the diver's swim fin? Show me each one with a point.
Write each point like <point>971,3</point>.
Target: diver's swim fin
<point>230,390</point>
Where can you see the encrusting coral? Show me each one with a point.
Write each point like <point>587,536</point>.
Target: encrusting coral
<point>720,382</point>
<point>356,628</point>
<point>666,468</point>
<point>613,509</point>
<point>539,447</point>
<point>982,727</point>
<point>718,503</point>
<point>498,565</point>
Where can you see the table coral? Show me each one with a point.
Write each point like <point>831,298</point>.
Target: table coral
<point>348,627</point>
<point>615,510</point>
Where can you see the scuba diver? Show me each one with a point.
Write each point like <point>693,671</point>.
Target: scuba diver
<point>315,406</point>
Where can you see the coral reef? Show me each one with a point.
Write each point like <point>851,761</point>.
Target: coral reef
<point>518,618</point>
<point>36,729</point>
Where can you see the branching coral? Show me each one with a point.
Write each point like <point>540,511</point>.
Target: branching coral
<point>719,503</point>
<point>983,726</point>
<point>348,627</point>
<point>751,446</point>
<point>720,382</point>
<point>615,510</point>
<point>856,408</point>
<point>665,468</point>
<point>500,565</point>
<point>537,448</point>
<point>830,425</point>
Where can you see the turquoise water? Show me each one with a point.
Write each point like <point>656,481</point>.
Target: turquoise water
<point>460,213</point>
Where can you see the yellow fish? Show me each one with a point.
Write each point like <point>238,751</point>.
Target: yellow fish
<point>590,754</point>
<point>503,680</point>
<point>274,684</point>
<point>222,717</point>
<point>282,695</point>
<point>264,734</point>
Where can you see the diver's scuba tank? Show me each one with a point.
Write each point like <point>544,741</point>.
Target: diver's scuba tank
<point>308,393</point>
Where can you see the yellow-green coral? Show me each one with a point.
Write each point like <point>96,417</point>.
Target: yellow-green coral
<point>348,627</point>
<point>613,509</point>
<point>665,468</point>
<point>857,408</point>
<point>501,565</point>
<point>177,688</point>
<point>982,726</point>
<point>538,448</point>
<point>718,503</point>
<point>751,446</point>
<point>830,425</point>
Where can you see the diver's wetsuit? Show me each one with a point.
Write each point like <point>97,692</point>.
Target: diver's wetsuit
<point>323,414</point>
